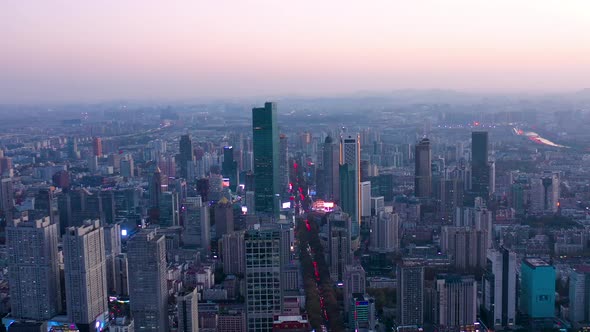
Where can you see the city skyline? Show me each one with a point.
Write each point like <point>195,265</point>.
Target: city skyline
<point>86,52</point>
<point>264,166</point>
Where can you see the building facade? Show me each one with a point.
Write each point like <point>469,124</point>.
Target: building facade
<point>148,292</point>
<point>33,270</point>
<point>537,298</point>
<point>85,273</point>
<point>265,142</point>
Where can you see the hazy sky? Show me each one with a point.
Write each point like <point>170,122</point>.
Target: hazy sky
<point>99,50</point>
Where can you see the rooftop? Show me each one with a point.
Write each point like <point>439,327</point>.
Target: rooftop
<point>536,262</point>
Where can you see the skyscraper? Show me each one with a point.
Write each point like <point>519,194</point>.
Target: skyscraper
<point>33,270</point>
<point>467,245</point>
<point>339,243</point>
<point>579,294</point>
<point>365,197</point>
<point>265,256</point>
<point>186,154</point>
<point>232,253</point>
<point>112,246</point>
<point>545,193</point>
<point>121,275</point>
<point>6,198</point>
<point>169,209</point>
<point>196,223</point>
<point>127,167</point>
<point>331,160</point>
<point>349,198</point>
<point>229,167</point>
<point>224,217</point>
<point>283,163</point>
<point>97,146</point>
<point>457,301</point>
<point>155,188</point>
<point>350,154</point>
<point>385,230</point>
<point>188,311</point>
<point>480,170</point>
<point>537,297</point>
<point>85,273</point>
<point>148,292</point>
<point>499,288</point>
<point>266,159</point>
<point>354,283</point>
<point>410,294</point>
<point>423,169</point>
<point>72,148</point>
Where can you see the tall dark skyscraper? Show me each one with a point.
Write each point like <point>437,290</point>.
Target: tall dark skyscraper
<point>350,182</point>
<point>480,170</point>
<point>265,143</point>
<point>283,164</point>
<point>349,196</point>
<point>330,165</point>
<point>186,154</point>
<point>229,167</point>
<point>155,188</point>
<point>423,173</point>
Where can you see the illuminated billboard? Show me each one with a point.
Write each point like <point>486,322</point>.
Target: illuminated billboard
<point>321,205</point>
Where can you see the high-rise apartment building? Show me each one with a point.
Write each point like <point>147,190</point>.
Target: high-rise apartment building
<point>85,273</point>
<point>499,288</point>
<point>112,246</point>
<point>385,232</point>
<point>265,144</point>
<point>148,292</point>
<point>579,294</point>
<point>97,146</point>
<point>33,270</point>
<point>232,253</point>
<point>410,294</point>
<point>467,245</point>
<point>354,283</point>
<point>456,301</point>
<point>339,243</point>
<point>121,275</point>
<point>224,217</point>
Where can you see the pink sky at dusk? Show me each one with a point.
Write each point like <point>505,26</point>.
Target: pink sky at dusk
<point>99,50</point>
